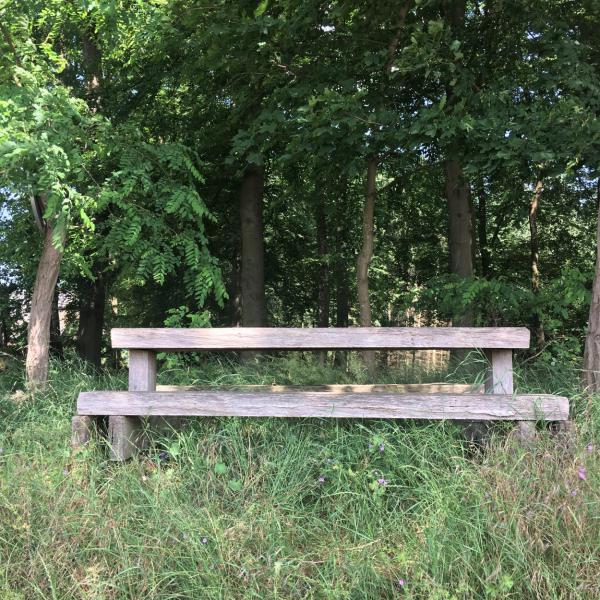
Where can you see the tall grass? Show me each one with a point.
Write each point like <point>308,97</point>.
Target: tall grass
<point>297,508</point>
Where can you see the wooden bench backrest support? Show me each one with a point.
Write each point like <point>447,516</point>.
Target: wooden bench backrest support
<point>143,343</point>
<point>352,338</point>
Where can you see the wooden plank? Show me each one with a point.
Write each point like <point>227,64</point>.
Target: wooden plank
<point>525,433</point>
<point>339,388</point>
<point>499,379</point>
<point>125,436</point>
<point>323,404</point>
<point>142,371</point>
<point>349,338</point>
<point>125,430</point>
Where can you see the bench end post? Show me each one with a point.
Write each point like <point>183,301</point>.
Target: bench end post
<point>81,431</point>
<point>499,380</point>
<point>125,434</point>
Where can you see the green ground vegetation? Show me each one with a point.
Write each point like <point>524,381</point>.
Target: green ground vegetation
<point>296,508</point>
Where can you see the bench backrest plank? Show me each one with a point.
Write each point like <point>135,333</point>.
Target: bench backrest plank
<point>318,338</point>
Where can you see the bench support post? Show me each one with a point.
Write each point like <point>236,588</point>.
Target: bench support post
<point>499,380</point>
<point>499,376</point>
<point>125,434</point>
<point>81,430</point>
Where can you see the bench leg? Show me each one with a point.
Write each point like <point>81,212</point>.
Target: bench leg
<point>125,434</point>
<point>125,437</point>
<point>525,433</point>
<point>499,380</point>
<point>81,430</point>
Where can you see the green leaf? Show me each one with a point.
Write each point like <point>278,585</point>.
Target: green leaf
<point>260,9</point>
<point>235,485</point>
<point>221,468</point>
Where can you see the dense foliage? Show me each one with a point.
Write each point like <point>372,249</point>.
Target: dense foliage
<point>137,123</point>
<point>297,163</point>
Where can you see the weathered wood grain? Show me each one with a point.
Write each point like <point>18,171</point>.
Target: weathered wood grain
<point>323,404</point>
<point>81,430</point>
<point>499,380</point>
<point>125,436</point>
<point>499,377</point>
<point>125,430</point>
<point>339,388</point>
<point>347,338</point>
<point>142,371</point>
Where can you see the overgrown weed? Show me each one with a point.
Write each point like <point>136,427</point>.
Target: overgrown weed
<point>298,508</point>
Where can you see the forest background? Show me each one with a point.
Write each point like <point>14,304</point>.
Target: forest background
<point>279,163</point>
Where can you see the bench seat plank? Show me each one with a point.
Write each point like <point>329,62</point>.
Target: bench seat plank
<point>319,338</point>
<point>483,407</point>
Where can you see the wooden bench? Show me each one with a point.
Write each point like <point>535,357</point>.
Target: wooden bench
<point>498,401</point>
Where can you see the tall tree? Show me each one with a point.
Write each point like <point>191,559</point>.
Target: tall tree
<point>254,309</point>
<point>458,191</point>
<point>323,279</point>
<point>365,255</point>
<point>92,290</point>
<point>591,356</point>
<point>40,316</point>
<point>538,326</point>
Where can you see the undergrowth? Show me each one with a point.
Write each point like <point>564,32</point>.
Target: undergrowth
<point>296,508</point>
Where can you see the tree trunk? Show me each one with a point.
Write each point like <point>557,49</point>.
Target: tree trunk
<point>484,251</point>
<point>254,310</point>
<point>459,228</point>
<point>591,355</point>
<point>342,308</point>
<point>474,240</point>
<point>56,345</point>
<point>38,331</point>
<point>537,325</point>
<point>459,222</point>
<point>92,294</point>
<point>460,233</point>
<point>92,64</point>
<point>342,287</point>
<point>113,360</point>
<point>4,334</point>
<point>235,294</point>
<point>364,258</point>
<point>91,321</point>
<point>323,276</point>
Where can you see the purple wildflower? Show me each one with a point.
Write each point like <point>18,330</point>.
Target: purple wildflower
<point>590,447</point>
<point>321,479</point>
<point>582,473</point>
<point>381,447</point>
<point>400,583</point>
<point>382,481</point>
<point>573,492</point>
